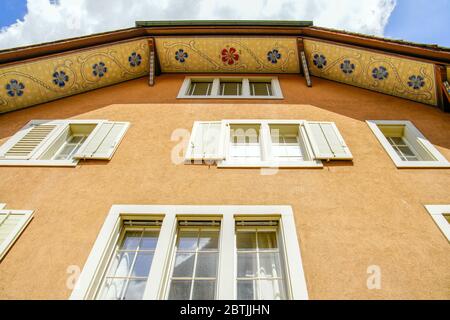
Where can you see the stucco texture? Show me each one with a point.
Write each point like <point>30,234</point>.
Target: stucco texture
<point>349,215</point>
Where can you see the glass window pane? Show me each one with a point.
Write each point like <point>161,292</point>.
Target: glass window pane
<point>187,240</point>
<point>180,290</point>
<point>230,88</point>
<point>206,265</point>
<point>267,240</point>
<point>184,265</point>
<point>112,289</point>
<point>200,88</point>
<point>208,240</point>
<point>204,290</point>
<point>149,240</point>
<point>269,265</point>
<point>246,240</point>
<point>407,152</point>
<point>398,141</point>
<point>246,290</point>
<point>246,265</point>
<point>261,88</point>
<point>142,265</point>
<point>271,289</point>
<point>447,217</point>
<point>121,264</point>
<point>135,290</point>
<point>131,240</point>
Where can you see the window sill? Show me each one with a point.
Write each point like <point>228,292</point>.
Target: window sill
<point>270,164</point>
<point>233,97</point>
<point>39,163</point>
<point>421,164</point>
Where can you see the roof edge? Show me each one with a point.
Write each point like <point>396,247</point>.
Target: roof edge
<point>221,23</point>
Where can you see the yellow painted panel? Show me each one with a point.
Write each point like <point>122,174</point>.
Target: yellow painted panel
<point>228,54</point>
<point>30,83</point>
<point>410,79</point>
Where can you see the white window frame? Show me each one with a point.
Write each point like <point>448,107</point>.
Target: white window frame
<point>61,125</point>
<point>440,162</point>
<point>277,94</point>
<point>17,231</point>
<point>437,213</point>
<point>157,284</point>
<point>267,160</point>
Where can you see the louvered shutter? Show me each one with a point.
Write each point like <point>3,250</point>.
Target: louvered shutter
<point>206,142</point>
<point>12,223</point>
<point>326,141</point>
<point>30,138</point>
<point>103,141</point>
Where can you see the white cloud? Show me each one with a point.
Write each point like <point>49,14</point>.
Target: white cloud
<point>71,18</point>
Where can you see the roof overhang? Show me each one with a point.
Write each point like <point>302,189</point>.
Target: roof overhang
<point>205,41</point>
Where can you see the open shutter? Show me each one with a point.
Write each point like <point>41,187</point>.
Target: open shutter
<point>12,223</point>
<point>27,141</point>
<point>326,141</point>
<point>206,143</point>
<point>103,141</point>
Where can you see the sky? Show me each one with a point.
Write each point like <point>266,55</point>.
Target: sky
<point>25,22</point>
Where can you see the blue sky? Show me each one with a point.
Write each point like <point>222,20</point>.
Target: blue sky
<point>11,10</point>
<point>422,21</point>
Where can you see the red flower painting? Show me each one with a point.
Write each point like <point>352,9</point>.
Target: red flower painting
<point>230,56</point>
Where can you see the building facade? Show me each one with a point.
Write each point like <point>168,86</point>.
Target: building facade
<point>225,160</point>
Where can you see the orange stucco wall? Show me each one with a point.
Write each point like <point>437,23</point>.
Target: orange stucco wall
<point>348,215</point>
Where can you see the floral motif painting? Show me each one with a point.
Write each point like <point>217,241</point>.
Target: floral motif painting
<point>51,78</point>
<point>380,72</point>
<point>228,54</point>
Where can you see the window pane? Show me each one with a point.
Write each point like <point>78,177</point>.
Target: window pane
<point>230,88</point>
<point>206,265</point>
<point>142,265</point>
<point>200,88</point>
<point>246,290</point>
<point>204,290</point>
<point>267,240</point>
<point>447,217</point>
<point>269,265</point>
<point>135,290</point>
<point>407,152</point>
<point>131,240</point>
<point>271,290</point>
<point>184,265</point>
<point>246,240</point>
<point>398,141</point>
<point>260,88</point>
<point>112,289</point>
<point>149,240</point>
<point>187,240</point>
<point>246,265</point>
<point>208,240</point>
<point>121,264</point>
<point>180,290</point>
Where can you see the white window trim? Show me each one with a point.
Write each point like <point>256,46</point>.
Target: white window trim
<point>16,232</point>
<point>61,125</point>
<point>276,88</point>
<point>96,263</point>
<point>265,142</point>
<point>441,161</point>
<point>437,213</point>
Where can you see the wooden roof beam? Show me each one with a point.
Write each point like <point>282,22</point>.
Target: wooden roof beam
<point>304,69</point>
<point>442,88</point>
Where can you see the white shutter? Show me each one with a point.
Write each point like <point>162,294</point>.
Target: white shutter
<point>206,142</point>
<point>12,223</point>
<point>326,141</point>
<point>103,141</point>
<point>27,141</point>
